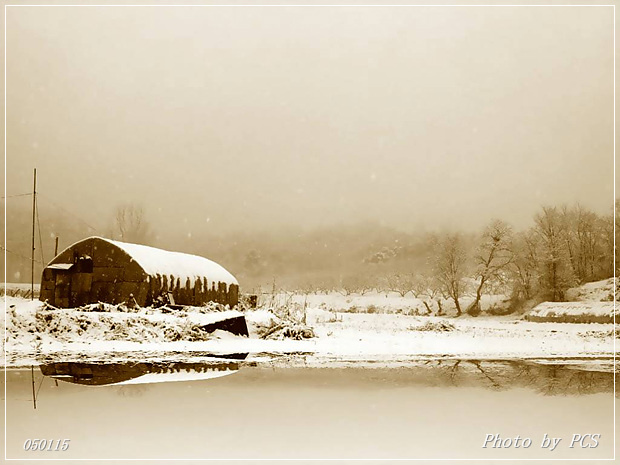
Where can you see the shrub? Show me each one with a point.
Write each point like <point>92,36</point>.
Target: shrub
<point>439,326</point>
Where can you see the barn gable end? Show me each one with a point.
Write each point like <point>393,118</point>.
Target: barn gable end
<point>102,270</point>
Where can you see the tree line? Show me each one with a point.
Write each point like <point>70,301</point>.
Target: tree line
<point>565,247</point>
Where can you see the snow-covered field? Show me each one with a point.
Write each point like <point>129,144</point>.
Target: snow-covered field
<point>35,334</point>
<point>19,289</point>
<point>20,286</point>
<point>372,302</point>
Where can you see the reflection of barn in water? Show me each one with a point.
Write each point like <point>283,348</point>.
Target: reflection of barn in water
<point>102,270</point>
<point>100,374</point>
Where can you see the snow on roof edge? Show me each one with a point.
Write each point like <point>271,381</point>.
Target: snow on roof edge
<point>156,261</point>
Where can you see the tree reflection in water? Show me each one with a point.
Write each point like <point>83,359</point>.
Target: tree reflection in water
<point>550,379</point>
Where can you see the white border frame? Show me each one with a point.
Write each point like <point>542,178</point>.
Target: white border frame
<point>612,5</point>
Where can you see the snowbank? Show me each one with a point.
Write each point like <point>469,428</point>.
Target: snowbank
<point>260,317</point>
<point>597,291</point>
<point>573,312</point>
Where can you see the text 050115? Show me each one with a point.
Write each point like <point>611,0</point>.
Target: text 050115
<point>49,445</point>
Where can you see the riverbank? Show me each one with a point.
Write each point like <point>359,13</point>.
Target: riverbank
<point>380,339</point>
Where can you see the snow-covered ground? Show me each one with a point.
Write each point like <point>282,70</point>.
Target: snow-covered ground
<point>596,291</point>
<point>371,302</point>
<point>573,312</point>
<point>35,334</point>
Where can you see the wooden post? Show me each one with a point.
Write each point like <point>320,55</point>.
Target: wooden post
<point>34,206</point>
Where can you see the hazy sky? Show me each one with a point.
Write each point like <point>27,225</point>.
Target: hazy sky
<point>248,117</point>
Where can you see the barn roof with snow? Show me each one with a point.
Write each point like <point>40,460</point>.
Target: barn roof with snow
<point>182,265</point>
<point>97,269</point>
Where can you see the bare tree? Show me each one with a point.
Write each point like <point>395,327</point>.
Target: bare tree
<point>492,258</point>
<point>557,273</point>
<point>327,284</point>
<point>608,256</point>
<point>587,238</point>
<point>420,285</point>
<point>431,289</point>
<point>525,264</point>
<point>357,284</point>
<point>131,224</point>
<point>450,261</point>
<point>401,283</point>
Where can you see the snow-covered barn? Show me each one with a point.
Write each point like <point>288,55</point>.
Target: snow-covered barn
<point>102,270</point>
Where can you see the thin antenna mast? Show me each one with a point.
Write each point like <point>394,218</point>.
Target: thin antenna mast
<point>34,206</point>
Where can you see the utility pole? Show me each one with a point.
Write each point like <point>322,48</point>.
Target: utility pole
<point>34,206</point>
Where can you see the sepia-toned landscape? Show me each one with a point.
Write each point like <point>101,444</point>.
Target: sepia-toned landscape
<point>321,232</point>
